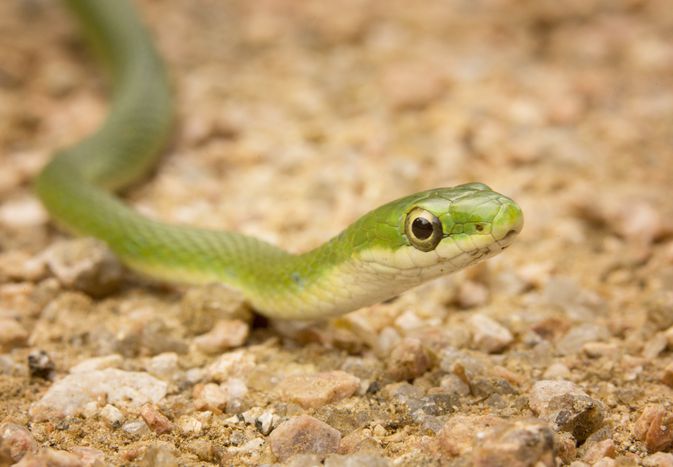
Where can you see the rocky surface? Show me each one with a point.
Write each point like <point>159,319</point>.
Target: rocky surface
<point>294,119</point>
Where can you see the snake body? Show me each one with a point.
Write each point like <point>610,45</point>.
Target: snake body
<point>388,250</point>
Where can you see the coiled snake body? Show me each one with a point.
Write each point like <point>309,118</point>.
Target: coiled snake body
<point>388,250</point>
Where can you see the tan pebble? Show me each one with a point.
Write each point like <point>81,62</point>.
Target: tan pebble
<point>655,428</point>
<point>489,335</point>
<point>236,363</point>
<point>303,435</point>
<point>667,375</point>
<point>412,84</point>
<point>89,457</point>
<point>22,213</point>
<point>112,414</point>
<point>190,425</point>
<point>658,459</point>
<point>515,444</point>
<point>154,419</point>
<point>51,458</point>
<point>210,396</point>
<point>12,335</point>
<point>457,436</point>
<point>536,274</point>
<point>318,389</point>
<point>226,334</point>
<point>556,371</point>
<point>472,294</point>
<point>604,462</point>
<point>408,360</point>
<point>98,363</point>
<point>655,345</point>
<point>162,454</point>
<point>597,451</point>
<point>18,265</point>
<point>85,264</point>
<point>16,441</point>
<point>600,349</point>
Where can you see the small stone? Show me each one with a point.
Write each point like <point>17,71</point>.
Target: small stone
<point>356,460</point>
<point>660,309</point>
<point>85,264</point>
<point>203,449</point>
<point>155,419</point>
<point>226,334</point>
<point>264,423</point>
<point>159,455</point>
<point>456,438</point>
<point>112,414</point>
<point>318,389</point>
<point>655,428</point>
<point>40,365</point>
<point>97,363</point>
<point>655,345</point>
<point>210,396</point>
<point>190,425</point>
<point>658,459</point>
<point>557,371</point>
<point>599,450</point>
<point>472,294</point>
<point>163,366</point>
<point>21,266</point>
<point>303,435</point>
<point>68,396</point>
<point>573,341</point>
<point>408,360</point>
<point>489,335</point>
<point>89,457</point>
<point>22,213</point>
<point>567,407</point>
<point>15,442</point>
<point>12,335</point>
<point>667,375</point>
<point>49,457</point>
<point>237,363</point>
<point>202,307</point>
<point>516,444</point>
<point>135,428</point>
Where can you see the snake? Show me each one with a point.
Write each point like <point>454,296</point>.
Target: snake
<point>388,250</point>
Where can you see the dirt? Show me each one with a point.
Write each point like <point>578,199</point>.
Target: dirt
<point>294,118</point>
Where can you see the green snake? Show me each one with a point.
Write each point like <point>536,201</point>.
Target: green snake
<point>388,250</point>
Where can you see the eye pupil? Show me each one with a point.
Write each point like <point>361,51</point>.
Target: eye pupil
<point>422,228</point>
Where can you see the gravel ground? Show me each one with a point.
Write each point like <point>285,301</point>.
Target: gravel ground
<point>295,118</point>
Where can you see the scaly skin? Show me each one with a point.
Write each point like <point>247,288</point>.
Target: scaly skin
<point>372,260</point>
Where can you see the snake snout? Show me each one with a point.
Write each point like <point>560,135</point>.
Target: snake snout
<point>507,223</point>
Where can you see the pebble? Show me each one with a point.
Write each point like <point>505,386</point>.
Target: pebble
<point>112,414</point>
<point>658,459</point>
<point>556,371</point>
<point>15,441</point>
<point>521,443</point>
<point>190,425</point>
<point>202,307</point>
<point>40,365</point>
<point>97,363</point>
<point>69,396</point>
<point>667,375</point>
<point>226,334</point>
<point>210,396</point>
<point>48,457</point>
<point>85,264</point>
<point>489,335</point>
<point>135,428</point>
<point>159,455</point>
<point>18,265</point>
<point>22,213</point>
<point>303,435</point>
<point>408,360</point>
<point>472,294</point>
<point>317,389</point>
<point>155,420</point>
<point>567,407</point>
<point>655,345</point>
<point>356,460</point>
<point>163,366</point>
<point>230,364</point>
<point>660,309</point>
<point>578,336</point>
<point>12,335</point>
<point>456,438</point>
<point>599,450</point>
<point>600,349</point>
<point>655,428</point>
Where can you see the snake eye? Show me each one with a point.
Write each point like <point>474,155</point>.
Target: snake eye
<point>423,229</point>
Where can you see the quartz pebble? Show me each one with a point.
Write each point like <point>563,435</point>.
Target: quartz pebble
<point>163,366</point>
<point>303,435</point>
<point>521,443</point>
<point>85,264</point>
<point>15,442</point>
<point>318,389</point>
<point>655,428</point>
<point>567,407</point>
<point>226,334</point>
<point>408,360</point>
<point>489,335</point>
<point>658,459</point>
<point>159,455</point>
<point>135,428</point>
<point>12,335</point>
<point>69,396</point>
<point>112,414</point>
<point>599,450</point>
<point>457,436</point>
<point>155,420</point>
<point>210,396</point>
<point>230,364</point>
<point>97,363</point>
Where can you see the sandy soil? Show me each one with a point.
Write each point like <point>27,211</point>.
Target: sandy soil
<point>294,119</point>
